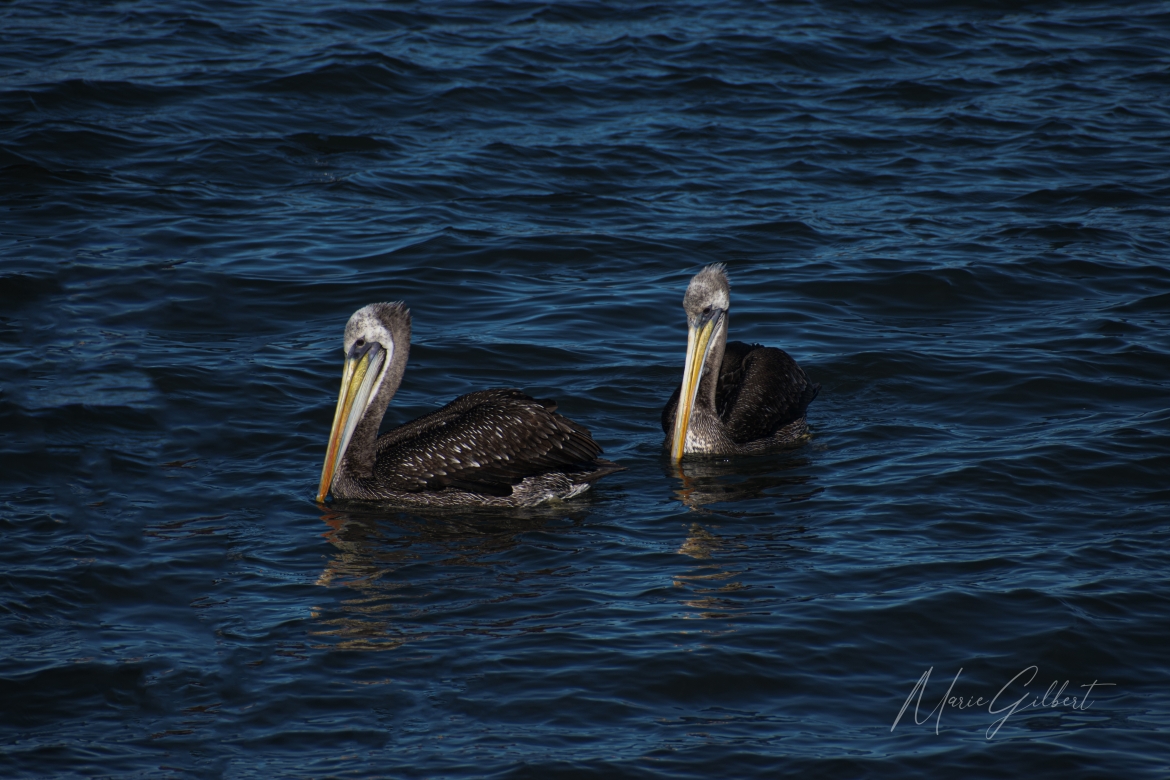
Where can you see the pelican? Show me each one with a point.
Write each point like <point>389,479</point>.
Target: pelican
<point>489,448</point>
<point>736,398</point>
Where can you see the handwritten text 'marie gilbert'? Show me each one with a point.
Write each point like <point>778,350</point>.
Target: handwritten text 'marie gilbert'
<point>1002,703</point>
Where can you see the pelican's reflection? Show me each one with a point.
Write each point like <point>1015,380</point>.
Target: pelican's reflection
<point>411,577</point>
<point>723,480</point>
<point>707,581</point>
<point>712,583</point>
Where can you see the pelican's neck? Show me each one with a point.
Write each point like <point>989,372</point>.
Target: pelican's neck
<point>359,457</point>
<point>705,397</point>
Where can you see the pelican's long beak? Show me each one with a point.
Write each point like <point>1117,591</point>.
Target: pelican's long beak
<point>698,345</point>
<point>363,370</point>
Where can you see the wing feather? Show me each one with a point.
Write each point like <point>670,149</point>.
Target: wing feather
<point>771,392</point>
<point>760,390</point>
<point>483,442</point>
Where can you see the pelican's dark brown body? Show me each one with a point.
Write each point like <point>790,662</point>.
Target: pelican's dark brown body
<point>760,402</point>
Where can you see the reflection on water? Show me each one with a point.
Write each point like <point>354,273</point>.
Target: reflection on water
<point>726,480</point>
<point>367,621</point>
<point>700,543</point>
<point>713,586</point>
<point>413,577</point>
<point>707,580</point>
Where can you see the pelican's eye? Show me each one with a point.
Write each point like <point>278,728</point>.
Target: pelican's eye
<point>359,343</point>
<point>707,312</point>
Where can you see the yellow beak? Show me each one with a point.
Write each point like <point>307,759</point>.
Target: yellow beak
<point>698,344</point>
<point>357,382</point>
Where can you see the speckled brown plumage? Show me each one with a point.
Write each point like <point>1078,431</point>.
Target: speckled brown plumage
<point>487,448</point>
<point>484,443</point>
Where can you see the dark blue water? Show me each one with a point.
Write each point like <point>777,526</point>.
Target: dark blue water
<point>955,216</point>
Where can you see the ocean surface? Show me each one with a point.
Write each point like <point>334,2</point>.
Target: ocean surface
<point>955,216</point>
